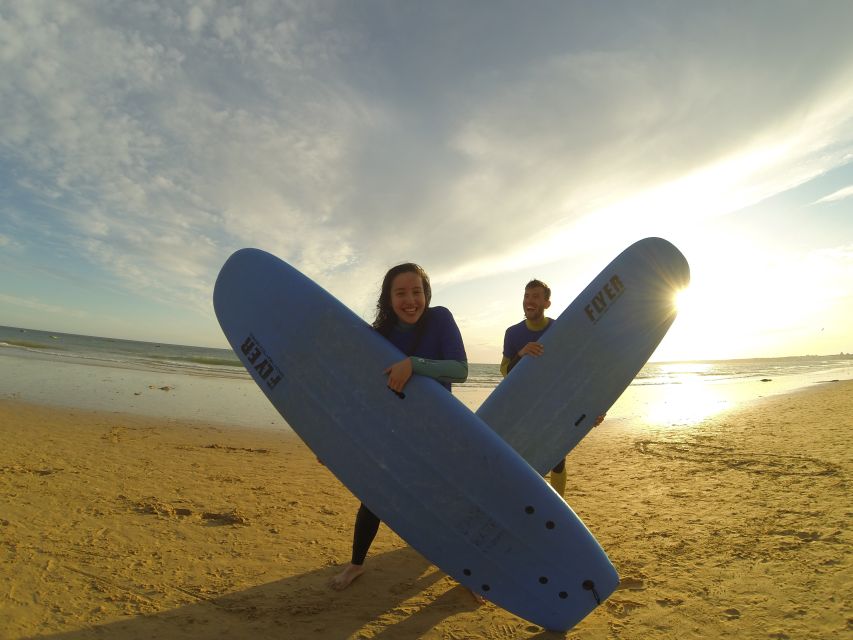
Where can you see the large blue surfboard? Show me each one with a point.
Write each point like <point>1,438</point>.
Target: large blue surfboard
<point>592,352</point>
<point>424,463</point>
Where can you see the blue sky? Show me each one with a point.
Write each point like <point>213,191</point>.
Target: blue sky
<point>141,143</point>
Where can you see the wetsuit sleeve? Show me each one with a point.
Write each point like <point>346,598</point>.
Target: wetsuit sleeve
<point>505,366</point>
<point>510,352</point>
<point>441,370</point>
<point>508,363</point>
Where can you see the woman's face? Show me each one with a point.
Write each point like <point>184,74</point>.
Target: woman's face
<point>407,297</point>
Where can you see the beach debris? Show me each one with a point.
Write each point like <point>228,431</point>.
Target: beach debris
<point>164,388</point>
<point>766,379</point>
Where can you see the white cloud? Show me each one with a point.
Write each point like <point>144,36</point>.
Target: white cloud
<point>35,304</point>
<point>195,19</point>
<point>841,194</point>
<point>118,124</point>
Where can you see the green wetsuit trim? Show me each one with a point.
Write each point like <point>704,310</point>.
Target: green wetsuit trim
<point>441,370</point>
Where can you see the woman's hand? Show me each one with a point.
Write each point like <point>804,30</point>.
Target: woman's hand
<point>399,374</point>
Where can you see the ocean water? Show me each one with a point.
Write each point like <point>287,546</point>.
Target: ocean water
<point>209,384</point>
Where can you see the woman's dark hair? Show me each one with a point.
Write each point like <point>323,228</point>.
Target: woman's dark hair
<point>385,318</point>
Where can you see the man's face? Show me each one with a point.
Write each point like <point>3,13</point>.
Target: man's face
<point>535,303</point>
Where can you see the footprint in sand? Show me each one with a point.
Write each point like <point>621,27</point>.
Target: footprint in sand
<point>154,506</point>
<point>622,608</point>
<point>631,584</point>
<point>231,449</point>
<point>114,435</point>
<point>18,468</point>
<point>232,517</point>
<point>713,456</point>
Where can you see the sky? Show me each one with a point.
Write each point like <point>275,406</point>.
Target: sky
<point>143,142</point>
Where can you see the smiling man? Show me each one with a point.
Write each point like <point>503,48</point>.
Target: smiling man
<point>522,339</point>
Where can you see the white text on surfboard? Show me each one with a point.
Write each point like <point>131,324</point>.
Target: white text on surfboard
<point>265,367</point>
<point>599,305</point>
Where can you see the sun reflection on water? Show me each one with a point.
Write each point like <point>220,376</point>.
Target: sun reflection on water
<point>676,394</point>
<point>687,403</point>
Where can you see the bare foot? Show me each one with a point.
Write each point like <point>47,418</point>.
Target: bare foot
<point>478,598</point>
<point>345,577</point>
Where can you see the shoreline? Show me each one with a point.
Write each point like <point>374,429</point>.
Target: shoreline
<point>236,401</point>
<point>127,526</point>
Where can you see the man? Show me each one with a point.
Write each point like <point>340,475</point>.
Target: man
<point>522,340</point>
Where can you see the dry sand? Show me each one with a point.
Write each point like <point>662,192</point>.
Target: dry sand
<point>118,526</point>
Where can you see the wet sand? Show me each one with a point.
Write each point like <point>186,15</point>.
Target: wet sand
<point>122,526</point>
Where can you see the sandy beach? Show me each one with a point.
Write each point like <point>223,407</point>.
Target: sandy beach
<point>122,526</point>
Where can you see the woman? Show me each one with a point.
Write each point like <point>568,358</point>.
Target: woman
<point>432,341</point>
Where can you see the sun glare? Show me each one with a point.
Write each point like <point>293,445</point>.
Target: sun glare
<point>685,404</point>
<point>683,300</point>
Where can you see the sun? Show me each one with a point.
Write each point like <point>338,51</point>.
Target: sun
<point>684,300</point>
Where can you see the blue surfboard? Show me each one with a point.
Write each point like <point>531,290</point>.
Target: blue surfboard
<point>592,352</point>
<point>424,463</point>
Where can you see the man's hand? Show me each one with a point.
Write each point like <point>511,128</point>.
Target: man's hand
<point>531,349</point>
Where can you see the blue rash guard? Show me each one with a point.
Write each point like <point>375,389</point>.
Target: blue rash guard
<point>515,338</point>
<point>437,338</point>
<point>519,335</point>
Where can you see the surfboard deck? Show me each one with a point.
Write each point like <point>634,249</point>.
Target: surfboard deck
<point>424,463</point>
<point>592,352</point>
